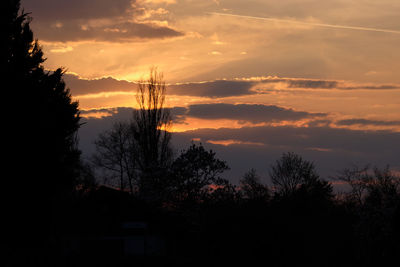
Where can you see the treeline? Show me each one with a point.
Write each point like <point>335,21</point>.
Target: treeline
<point>298,221</point>
<point>53,202</point>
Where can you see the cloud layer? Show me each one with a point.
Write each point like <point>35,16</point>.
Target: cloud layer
<point>258,147</point>
<point>244,113</point>
<point>220,88</point>
<point>112,32</point>
<point>94,20</point>
<point>247,113</point>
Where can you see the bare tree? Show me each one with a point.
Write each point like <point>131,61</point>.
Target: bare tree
<point>138,152</point>
<point>370,183</point>
<point>290,171</point>
<point>384,185</point>
<point>252,188</point>
<point>115,154</point>
<point>292,174</point>
<point>358,179</point>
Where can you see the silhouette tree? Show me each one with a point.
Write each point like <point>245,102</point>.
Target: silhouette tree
<point>302,207</point>
<point>378,225</point>
<point>86,181</point>
<point>194,171</point>
<point>150,125</point>
<point>43,125</point>
<point>224,193</point>
<point>21,55</point>
<point>138,152</point>
<point>358,179</point>
<point>383,187</point>
<point>114,155</point>
<point>375,199</point>
<point>252,188</point>
<point>291,173</point>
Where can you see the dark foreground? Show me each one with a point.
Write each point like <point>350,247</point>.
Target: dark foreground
<point>108,227</point>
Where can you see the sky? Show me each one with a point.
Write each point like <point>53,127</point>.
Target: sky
<point>249,79</point>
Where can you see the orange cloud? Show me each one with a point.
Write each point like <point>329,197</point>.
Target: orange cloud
<point>230,142</point>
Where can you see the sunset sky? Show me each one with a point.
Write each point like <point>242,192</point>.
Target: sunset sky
<point>249,79</point>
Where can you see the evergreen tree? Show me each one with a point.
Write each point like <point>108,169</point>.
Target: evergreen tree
<point>43,161</point>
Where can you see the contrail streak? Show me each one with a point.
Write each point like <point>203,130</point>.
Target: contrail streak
<point>309,23</point>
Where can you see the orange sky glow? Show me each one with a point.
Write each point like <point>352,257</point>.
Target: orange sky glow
<point>233,64</point>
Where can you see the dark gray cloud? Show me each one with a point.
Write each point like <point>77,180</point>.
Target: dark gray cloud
<point>114,114</point>
<point>82,87</point>
<point>178,114</point>
<point>62,21</point>
<point>309,137</point>
<point>327,84</point>
<point>208,89</point>
<point>331,149</point>
<point>118,32</point>
<point>51,10</point>
<point>218,88</point>
<point>371,87</point>
<point>247,113</point>
<point>300,83</point>
<point>124,114</point>
<point>320,123</point>
<point>350,122</point>
<point>242,112</point>
<point>212,89</point>
<point>312,84</point>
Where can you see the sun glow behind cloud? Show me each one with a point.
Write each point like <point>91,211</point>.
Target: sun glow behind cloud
<point>195,123</point>
<point>311,58</point>
<point>229,142</point>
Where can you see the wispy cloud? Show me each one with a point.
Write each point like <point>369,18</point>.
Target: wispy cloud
<point>325,25</point>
